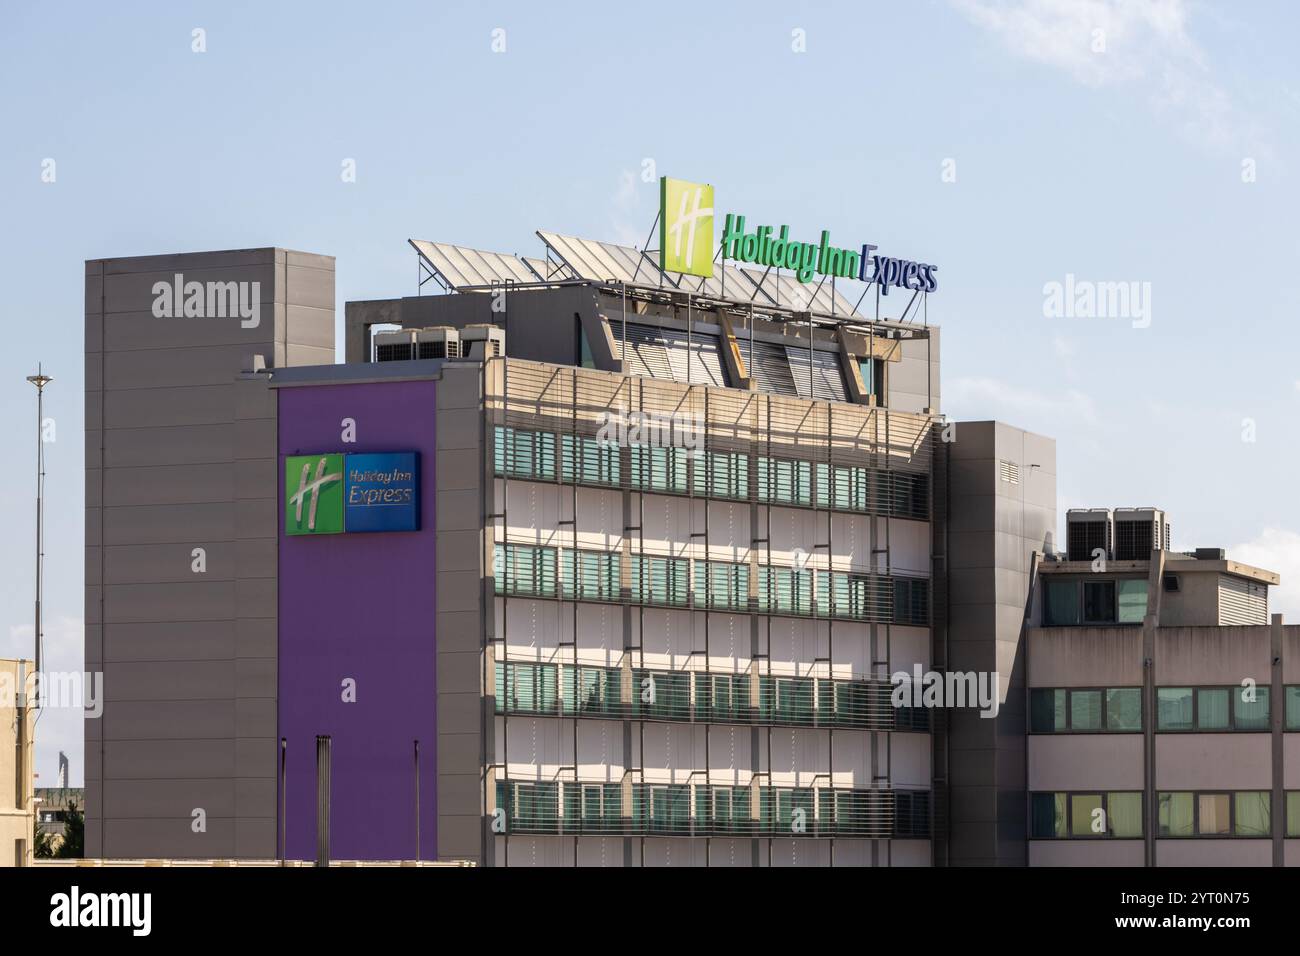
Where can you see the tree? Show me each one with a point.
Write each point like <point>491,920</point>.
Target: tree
<point>42,843</point>
<point>74,833</point>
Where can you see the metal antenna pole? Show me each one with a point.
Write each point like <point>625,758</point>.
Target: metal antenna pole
<point>40,380</point>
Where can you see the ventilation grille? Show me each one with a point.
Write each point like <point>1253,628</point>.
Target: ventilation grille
<point>1085,537</point>
<point>1242,601</point>
<point>1134,540</point>
<point>1009,471</point>
<point>398,352</point>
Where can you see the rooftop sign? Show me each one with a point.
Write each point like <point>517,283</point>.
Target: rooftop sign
<point>686,245</point>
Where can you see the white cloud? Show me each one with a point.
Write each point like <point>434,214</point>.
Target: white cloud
<point>1275,549</point>
<point>1140,46</point>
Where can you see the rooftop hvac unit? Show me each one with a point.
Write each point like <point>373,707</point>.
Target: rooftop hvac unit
<point>398,346</point>
<point>1086,530</point>
<point>1138,532</point>
<point>482,341</point>
<point>437,342</point>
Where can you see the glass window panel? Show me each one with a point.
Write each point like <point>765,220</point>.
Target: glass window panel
<point>1062,608</point>
<point>1252,814</point>
<point>1174,708</point>
<point>1086,815</point>
<point>1123,708</point>
<point>1098,602</point>
<point>1176,814</point>
<point>1085,710</point>
<point>1048,812</point>
<point>1132,601</point>
<point>1212,708</point>
<point>1213,809</point>
<point>1251,714</point>
<point>1293,708</point>
<point>1293,813</point>
<point>1046,710</point>
<point>1124,815</point>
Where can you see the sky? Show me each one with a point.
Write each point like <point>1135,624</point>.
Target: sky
<point>1024,147</point>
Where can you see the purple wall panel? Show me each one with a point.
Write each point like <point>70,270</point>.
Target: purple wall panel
<point>360,606</point>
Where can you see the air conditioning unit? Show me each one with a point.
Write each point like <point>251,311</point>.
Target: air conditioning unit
<point>437,342</point>
<point>482,341</point>
<point>1086,530</point>
<point>397,346</point>
<point>1138,532</point>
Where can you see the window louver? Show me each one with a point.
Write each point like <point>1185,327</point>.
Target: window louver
<point>664,353</point>
<point>827,380</point>
<point>769,368</point>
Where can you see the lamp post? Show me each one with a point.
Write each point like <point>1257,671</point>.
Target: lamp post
<point>40,380</point>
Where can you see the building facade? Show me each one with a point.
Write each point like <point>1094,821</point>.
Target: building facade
<point>583,563</point>
<point>17,735</point>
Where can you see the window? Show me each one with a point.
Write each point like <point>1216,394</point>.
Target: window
<point>1213,812</point>
<point>1098,602</point>
<point>1047,713</point>
<point>588,461</point>
<point>1176,815</point>
<point>1293,708</point>
<point>658,468</point>
<point>784,482</point>
<point>1048,815</point>
<point>1124,815</point>
<point>524,454</point>
<point>1085,815</point>
<point>1061,608</point>
<point>524,569</point>
<point>720,584</point>
<point>1293,813</point>
<point>660,580</point>
<point>1210,709</point>
<point>1252,816</point>
<point>1083,710</point>
<point>1132,598</point>
<point>590,575</point>
<point>873,378</point>
<point>1250,708</point>
<point>1174,708</point>
<point>721,475</point>
<point>911,601</point>
<point>1124,708</point>
<point>1245,813</point>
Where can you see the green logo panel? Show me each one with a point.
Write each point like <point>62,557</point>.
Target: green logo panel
<point>313,494</point>
<point>686,227</point>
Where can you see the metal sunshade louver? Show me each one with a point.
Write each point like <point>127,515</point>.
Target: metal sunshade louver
<point>827,379</point>
<point>654,352</point>
<point>769,368</point>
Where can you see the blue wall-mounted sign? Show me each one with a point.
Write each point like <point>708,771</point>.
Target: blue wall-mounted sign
<point>381,492</point>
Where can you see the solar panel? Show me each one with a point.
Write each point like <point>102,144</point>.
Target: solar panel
<point>460,267</point>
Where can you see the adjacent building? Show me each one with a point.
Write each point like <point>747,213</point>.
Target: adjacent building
<point>17,723</point>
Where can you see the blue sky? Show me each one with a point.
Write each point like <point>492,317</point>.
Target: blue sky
<point>1124,155</point>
